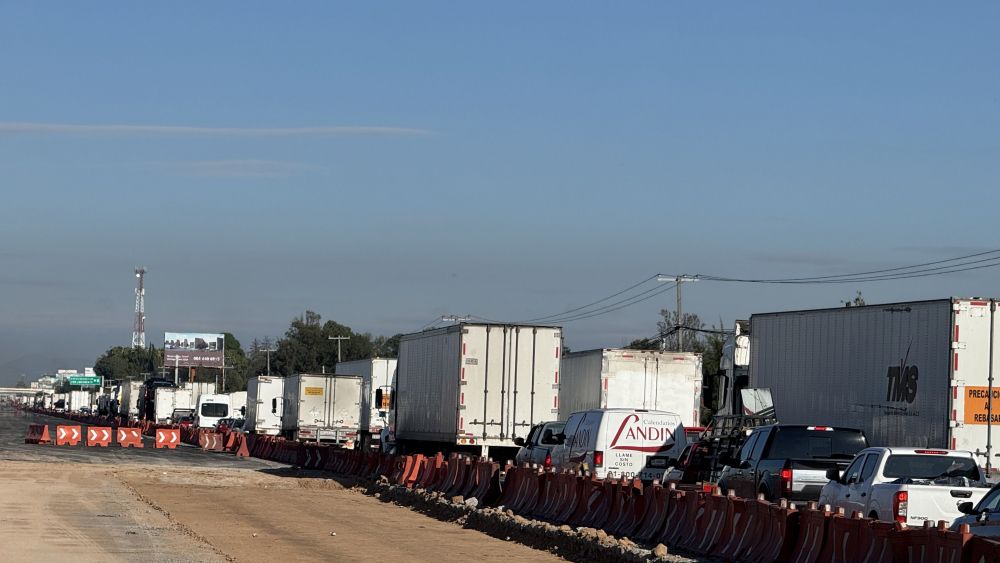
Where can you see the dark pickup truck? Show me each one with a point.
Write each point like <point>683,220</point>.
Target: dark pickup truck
<point>790,461</point>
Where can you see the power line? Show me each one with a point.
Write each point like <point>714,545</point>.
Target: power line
<point>588,305</point>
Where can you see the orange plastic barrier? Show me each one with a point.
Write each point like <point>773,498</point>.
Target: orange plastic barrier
<point>37,434</point>
<point>812,532</point>
<point>658,501</point>
<point>875,541</point>
<point>68,435</point>
<point>718,511</point>
<point>129,437</point>
<point>983,550</point>
<point>930,544</point>
<point>842,544</point>
<point>99,436</point>
<point>167,438</point>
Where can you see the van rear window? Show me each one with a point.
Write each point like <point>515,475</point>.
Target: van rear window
<point>800,443</point>
<point>214,410</point>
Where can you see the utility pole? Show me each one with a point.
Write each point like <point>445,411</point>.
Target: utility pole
<point>678,326</point>
<point>267,350</point>
<point>338,339</point>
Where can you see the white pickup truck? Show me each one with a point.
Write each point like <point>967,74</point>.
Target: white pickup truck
<point>906,485</point>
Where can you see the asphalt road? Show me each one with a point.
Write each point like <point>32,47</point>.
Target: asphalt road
<point>13,425</point>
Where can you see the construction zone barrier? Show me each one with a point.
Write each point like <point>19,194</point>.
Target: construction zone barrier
<point>68,435</point>
<point>99,436</point>
<point>129,437</point>
<point>167,438</point>
<point>983,550</point>
<point>211,441</point>
<point>37,434</point>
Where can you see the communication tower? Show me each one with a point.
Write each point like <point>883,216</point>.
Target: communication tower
<point>139,324</point>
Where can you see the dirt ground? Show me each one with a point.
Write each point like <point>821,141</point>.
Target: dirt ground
<point>164,513</point>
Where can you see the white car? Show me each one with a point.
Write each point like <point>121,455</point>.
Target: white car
<point>983,518</point>
<point>907,485</point>
<point>617,443</point>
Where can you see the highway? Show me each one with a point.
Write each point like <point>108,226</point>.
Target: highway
<point>124,504</point>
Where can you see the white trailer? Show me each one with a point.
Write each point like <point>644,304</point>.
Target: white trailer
<point>198,389</point>
<point>168,399</point>
<point>264,404</point>
<point>916,374</point>
<point>377,375</point>
<point>324,408</point>
<point>131,395</point>
<point>238,402</point>
<point>78,400</point>
<point>475,386</point>
<point>631,379</point>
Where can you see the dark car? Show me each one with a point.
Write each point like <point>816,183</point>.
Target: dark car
<point>790,461</point>
<point>185,421</point>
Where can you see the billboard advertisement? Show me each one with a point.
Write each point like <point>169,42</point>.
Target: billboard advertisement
<point>193,349</point>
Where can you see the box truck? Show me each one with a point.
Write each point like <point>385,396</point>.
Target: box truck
<point>322,408</point>
<point>472,387</point>
<point>79,400</point>
<point>631,379</point>
<point>129,405</point>
<point>238,402</point>
<point>914,374</point>
<point>169,399</point>
<point>376,395</point>
<point>199,388</point>
<point>264,398</point>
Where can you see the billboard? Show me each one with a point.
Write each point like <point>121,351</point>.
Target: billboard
<point>193,349</point>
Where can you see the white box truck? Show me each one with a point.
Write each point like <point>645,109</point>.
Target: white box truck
<point>198,389</point>
<point>472,386</point>
<point>238,402</point>
<point>916,374</point>
<point>131,393</point>
<point>264,404</point>
<point>322,408</point>
<point>168,399</point>
<point>377,375</point>
<point>79,399</point>
<point>631,379</point>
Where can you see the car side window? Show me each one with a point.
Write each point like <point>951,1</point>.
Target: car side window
<point>571,427</point>
<point>871,462</point>
<point>748,446</point>
<point>853,471</point>
<point>991,502</point>
<point>758,449</point>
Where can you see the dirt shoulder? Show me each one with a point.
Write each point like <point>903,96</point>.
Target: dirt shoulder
<point>257,516</point>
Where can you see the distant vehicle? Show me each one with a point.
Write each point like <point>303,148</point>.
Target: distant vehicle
<point>537,447</point>
<point>225,424</point>
<point>377,375</point>
<point>620,443</point>
<point>790,461</point>
<point>84,410</point>
<point>185,421</point>
<point>181,413</point>
<point>906,485</point>
<point>983,517</point>
<point>238,425</point>
<point>265,404</point>
<point>322,408</point>
<point>211,409</point>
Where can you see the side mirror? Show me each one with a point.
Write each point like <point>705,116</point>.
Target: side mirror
<point>378,399</point>
<point>745,464</point>
<point>966,508</point>
<point>833,474</point>
<point>519,441</point>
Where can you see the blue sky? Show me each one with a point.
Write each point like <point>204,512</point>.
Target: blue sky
<point>385,164</point>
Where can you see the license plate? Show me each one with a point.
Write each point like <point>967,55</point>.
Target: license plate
<point>659,462</point>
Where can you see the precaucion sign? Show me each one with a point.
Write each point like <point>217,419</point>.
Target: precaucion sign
<point>314,390</point>
<point>977,403</point>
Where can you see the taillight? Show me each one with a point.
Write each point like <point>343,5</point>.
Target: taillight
<point>820,428</point>
<point>900,502</point>
<point>786,481</point>
<point>548,460</point>
<point>598,459</point>
<point>934,452</point>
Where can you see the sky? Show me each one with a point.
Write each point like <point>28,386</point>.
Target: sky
<point>386,163</point>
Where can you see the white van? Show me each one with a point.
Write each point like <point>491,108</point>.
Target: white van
<point>211,409</point>
<point>616,443</point>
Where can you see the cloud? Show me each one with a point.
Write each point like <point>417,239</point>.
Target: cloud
<point>247,168</point>
<point>14,128</point>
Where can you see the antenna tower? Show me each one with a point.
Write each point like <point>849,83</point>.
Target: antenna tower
<point>139,325</point>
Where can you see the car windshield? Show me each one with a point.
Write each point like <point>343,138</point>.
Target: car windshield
<point>802,443</point>
<point>214,409</point>
<point>930,467</point>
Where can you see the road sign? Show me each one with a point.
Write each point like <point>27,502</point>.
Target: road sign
<point>85,380</point>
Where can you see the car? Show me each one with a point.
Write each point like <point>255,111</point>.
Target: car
<point>225,424</point>
<point>983,517</point>
<point>620,443</point>
<point>185,421</point>
<point>790,461</point>
<point>537,447</point>
<point>907,485</point>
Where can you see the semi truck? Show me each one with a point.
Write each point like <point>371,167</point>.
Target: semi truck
<point>912,374</point>
<point>322,408</point>
<point>471,387</point>
<point>147,397</point>
<point>376,395</point>
<point>632,379</point>
<point>264,397</point>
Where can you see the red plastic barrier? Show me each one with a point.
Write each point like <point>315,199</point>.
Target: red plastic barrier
<point>929,544</point>
<point>241,447</point>
<point>68,435</point>
<point>843,536</point>
<point>487,487</point>
<point>623,505</point>
<point>688,507</point>
<point>37,434</point>
<point>983,550</point>
<point>464,473</point>
<point>734,536</point>
<point>718,511</point>
<point>658,503</point>
<point>598,506</point>
<point>99,436</point>
<point>875,541</point>
<point>129,438</point>
<point>812,532</point>
<point>166,438</point>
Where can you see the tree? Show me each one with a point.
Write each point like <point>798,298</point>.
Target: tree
<point>126,362</point>
<point>858,301</point>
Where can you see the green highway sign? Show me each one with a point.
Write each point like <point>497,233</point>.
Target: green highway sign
<point>84,380</point>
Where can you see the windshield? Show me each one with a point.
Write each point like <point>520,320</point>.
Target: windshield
<point>214,410</point>
<point>930,467</point>
<point>802,443</point>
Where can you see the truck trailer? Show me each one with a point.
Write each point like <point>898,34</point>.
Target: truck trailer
<point>914,374</point>
<point>632,379</point>
<point>377,376</point>
<point>322,408</point>
<point>169,399</point>
<point>471,387</point>
<point>131,392</point>
<point>264,397</point>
